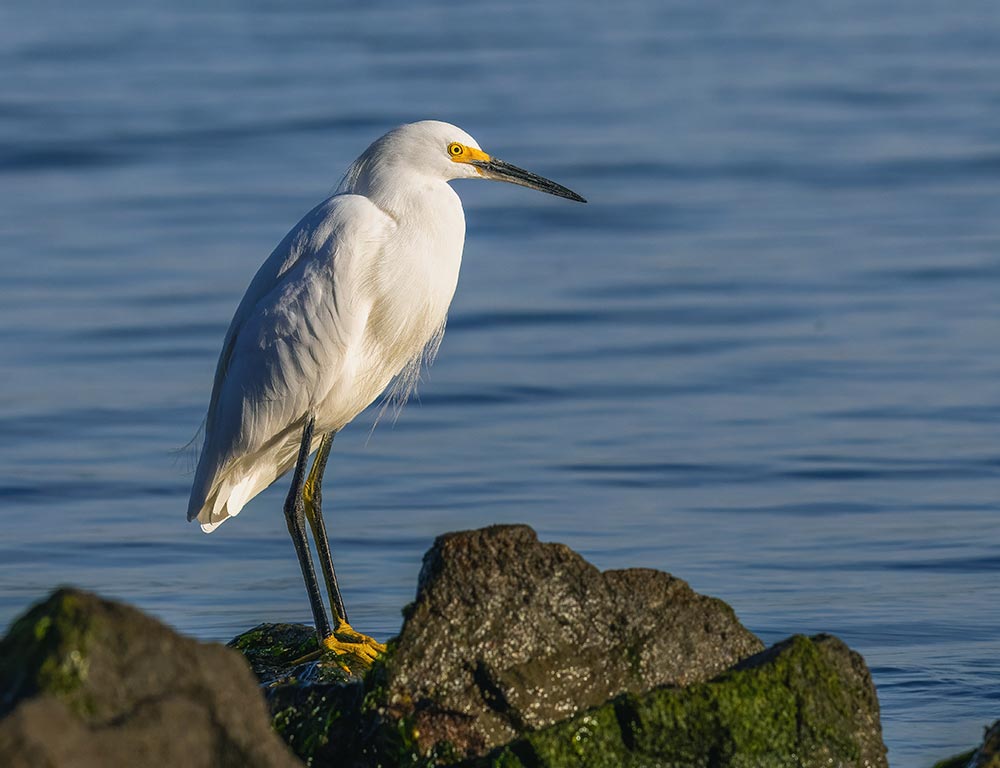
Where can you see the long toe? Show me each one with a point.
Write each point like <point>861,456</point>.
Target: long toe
<point>348,634</point>
<point>348,642</point>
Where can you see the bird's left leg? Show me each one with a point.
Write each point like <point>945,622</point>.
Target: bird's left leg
<point>344,639</point>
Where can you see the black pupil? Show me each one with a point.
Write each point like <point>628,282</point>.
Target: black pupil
<point>456,150</point>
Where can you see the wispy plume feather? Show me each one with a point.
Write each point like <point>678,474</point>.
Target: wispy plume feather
<point>405,383</point>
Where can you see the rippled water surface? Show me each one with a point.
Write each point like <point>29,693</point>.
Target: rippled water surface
<point>764,357</point>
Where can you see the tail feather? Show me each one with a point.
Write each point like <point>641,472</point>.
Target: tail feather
<point>220,492</point>
<point>228,499</point>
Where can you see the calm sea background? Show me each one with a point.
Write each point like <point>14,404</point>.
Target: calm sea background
<point>763,358</point>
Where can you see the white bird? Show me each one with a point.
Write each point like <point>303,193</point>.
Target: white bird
<point>354,298</point>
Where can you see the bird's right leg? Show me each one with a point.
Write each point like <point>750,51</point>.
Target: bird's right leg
<point>295,516</point>
<point>344,640</point>
<point>313,495</point>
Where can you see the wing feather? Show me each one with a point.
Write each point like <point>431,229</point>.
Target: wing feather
<point>284,350</point>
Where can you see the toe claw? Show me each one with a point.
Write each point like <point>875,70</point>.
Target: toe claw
<point>346,641</point>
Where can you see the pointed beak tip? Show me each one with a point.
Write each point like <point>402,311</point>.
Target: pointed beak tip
<point>569,194</point>
<point>566,194</point>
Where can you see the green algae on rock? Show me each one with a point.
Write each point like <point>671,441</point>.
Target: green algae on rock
<point>317,706</point>
<point>276,651</point>
<point>805,702</point>
<point>272,649</point>
<point>343,723</point>
<point>47,651</point>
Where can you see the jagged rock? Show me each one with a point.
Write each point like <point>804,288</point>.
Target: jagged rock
<point>518,653</point>
<point>90,682</point>
<point>509,635</point>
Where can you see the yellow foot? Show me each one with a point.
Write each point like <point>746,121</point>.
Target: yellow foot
<point>347,641</point>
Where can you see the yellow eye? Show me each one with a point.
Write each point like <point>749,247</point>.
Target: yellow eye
<point>455,149</point>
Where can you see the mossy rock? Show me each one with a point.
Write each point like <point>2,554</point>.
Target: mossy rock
<point>271,649</point>
<point>48,651</point>
<point>806,702</point>
<point>320,721</point>
<point>509,635</point>
<point>86,682</point>
<point>327,709</point>
<point>275,653</point>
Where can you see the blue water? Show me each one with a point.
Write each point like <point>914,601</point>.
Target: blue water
<point>764,357</point>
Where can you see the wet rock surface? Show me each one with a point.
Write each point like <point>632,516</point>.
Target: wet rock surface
<point>276,651</point>
<point>90,682</point>
<point>508,634</point>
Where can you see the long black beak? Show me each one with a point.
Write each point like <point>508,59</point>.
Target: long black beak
<point>501,171</point>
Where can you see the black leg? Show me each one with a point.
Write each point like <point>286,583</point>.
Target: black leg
<point>295,517</point>
<point>314,514</point>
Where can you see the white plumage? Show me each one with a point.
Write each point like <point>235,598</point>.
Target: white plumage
<point>351,298</point>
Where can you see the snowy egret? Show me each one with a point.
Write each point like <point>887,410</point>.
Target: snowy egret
<point>354,298</point>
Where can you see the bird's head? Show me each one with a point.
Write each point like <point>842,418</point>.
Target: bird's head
<point>444,151</point>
